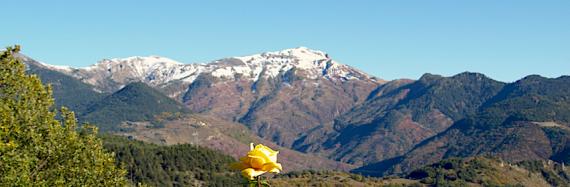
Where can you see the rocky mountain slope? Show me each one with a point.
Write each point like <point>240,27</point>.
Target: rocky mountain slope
<point>230,138</point>
<point>109,75</point>
<point>302,99</point>
<point>398,115</point>
<point>527,120</point>
<point>277,94</point>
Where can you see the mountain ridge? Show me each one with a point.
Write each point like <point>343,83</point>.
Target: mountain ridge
<point>134,102</point>
<point>159,71</point>
<point>309,86</point>
<point>384,126</point>
<point>526,120</point>
<point>398,115</point>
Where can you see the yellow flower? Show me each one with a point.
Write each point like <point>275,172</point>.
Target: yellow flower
<point>259,160</point>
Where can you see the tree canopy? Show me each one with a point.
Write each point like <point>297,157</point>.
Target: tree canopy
<point>38,149</point>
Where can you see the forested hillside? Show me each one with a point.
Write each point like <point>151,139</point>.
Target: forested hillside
<point>68,91</point>
<point>175,165</point>
<point>486,171</point>
<point>394,128</point>
<point>135,102</point>
<point>526,120</point>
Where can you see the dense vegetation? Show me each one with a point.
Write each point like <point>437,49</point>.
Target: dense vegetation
<point>455,172</point>
<point>560,143</point>
<point>335,178</point>
<point>38,150</point>
<point>533,98</point>
<point>455,96</point>
<point>67,90</point>
<point>489,172</point>
<point>135,102</point>
<point>452,172</point>
<point>525,120</point>
<point>554,173</point>
<point>400,114</point>
<point>176,165</point>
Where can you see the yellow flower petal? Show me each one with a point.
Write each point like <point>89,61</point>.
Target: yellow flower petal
<point>239,166</point>
<point>265,149</point>
<point>250,173</point>
<point>273,158</point>
<point>257,162</point>
<point>268,152</point>
<point>272,167</point>
<point>259,153</point>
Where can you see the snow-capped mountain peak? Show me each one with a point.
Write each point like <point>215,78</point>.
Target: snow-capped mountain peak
<point>154,70</point>
<point>157,71</point>
<point>315,63</point>
<point>137,62</point>
<point>302,53</point>
<point>300,56</point>
<point>29,60</point>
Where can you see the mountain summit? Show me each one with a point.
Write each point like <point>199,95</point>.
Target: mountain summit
<point>277,94</point>
<point>109,75</point>
<point>302,99</point>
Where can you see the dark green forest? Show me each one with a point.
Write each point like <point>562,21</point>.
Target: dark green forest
<point>135,102</point>
<point>176,165</point>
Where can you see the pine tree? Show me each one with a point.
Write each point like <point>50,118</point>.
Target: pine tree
<point>37,149</point>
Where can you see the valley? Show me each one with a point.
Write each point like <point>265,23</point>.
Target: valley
<point>320,114</point>
<point>285,93</point>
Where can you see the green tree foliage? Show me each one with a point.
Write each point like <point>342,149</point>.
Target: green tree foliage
<point>327,178</point>
<point>488,171</point>
<point>176,165</point>
<point>553,173</point>
<point>135,102</point>
<point>36,149</point>
<point>67,91</point>
<point>533,98</point>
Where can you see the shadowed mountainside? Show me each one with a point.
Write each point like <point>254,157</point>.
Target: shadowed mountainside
<point>526,120</point>
<point>398,115</point>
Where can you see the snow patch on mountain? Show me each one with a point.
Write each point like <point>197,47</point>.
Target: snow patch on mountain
<point>27,59</point>
<point>315,63</point>
<point>156,71</point>
<point>58,67</point>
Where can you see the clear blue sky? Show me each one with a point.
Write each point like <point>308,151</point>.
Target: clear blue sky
<point>505,39</point>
